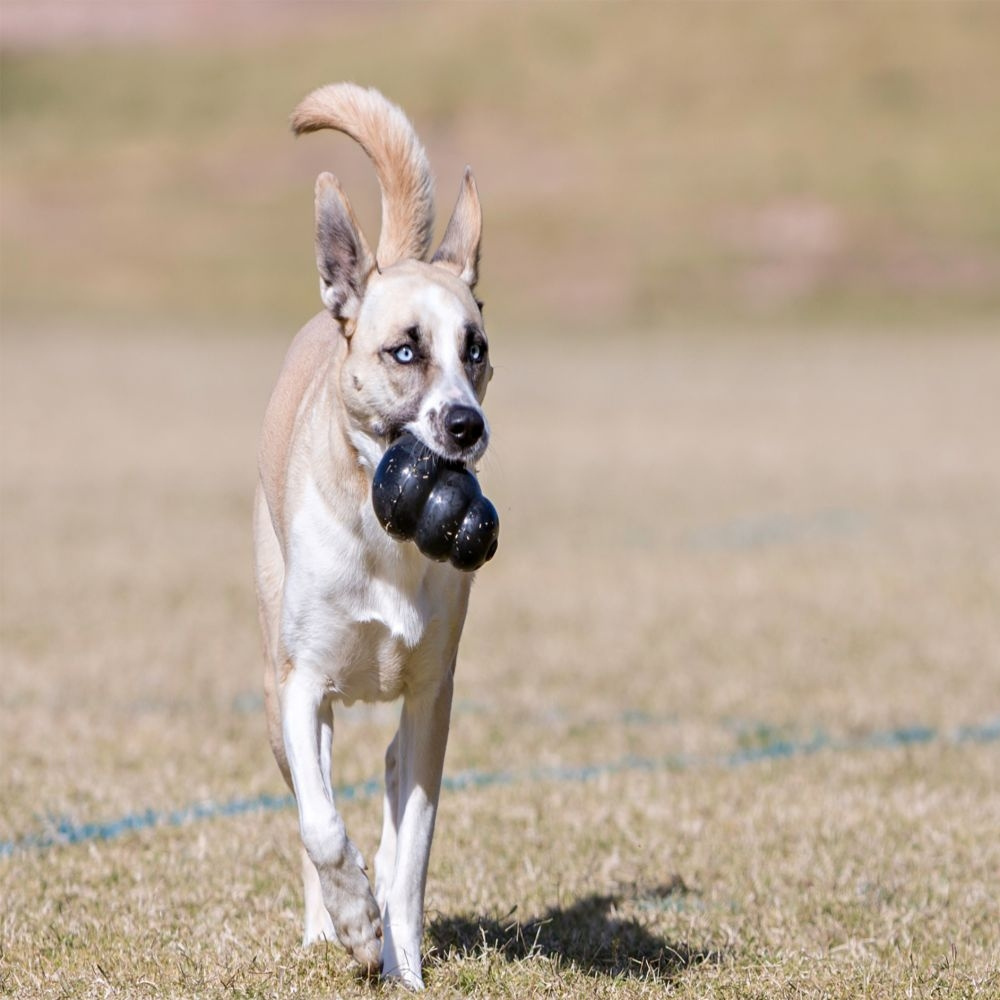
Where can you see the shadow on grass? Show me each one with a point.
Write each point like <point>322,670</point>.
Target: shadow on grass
<point>591,935</point>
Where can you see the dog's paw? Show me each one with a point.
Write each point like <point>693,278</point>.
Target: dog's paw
<point>355,916</point>
<point>401,962</point>
<point>406,977</point>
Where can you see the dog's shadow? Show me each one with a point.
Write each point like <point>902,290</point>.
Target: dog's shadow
<point>591,935</point>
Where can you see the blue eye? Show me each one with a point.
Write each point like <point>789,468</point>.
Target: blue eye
<point>404,354</point>
<point>476,353</point>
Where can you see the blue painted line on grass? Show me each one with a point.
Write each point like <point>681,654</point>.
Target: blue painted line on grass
<point>63,832</point>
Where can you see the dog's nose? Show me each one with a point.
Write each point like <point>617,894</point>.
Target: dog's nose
<point>464,425</point>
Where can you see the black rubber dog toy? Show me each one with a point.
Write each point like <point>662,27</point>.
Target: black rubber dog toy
<point>418,495</point>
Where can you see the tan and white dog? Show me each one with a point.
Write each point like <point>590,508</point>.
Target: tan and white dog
<point>348,613</point>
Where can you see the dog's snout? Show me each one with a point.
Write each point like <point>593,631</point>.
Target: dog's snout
<point>464,425</point>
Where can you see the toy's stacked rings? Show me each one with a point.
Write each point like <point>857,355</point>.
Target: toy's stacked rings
<point>418,495</point>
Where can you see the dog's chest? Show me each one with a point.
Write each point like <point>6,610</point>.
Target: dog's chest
<point>370,615</point>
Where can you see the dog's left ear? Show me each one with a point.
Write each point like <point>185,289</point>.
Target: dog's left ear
<point>459,250</point>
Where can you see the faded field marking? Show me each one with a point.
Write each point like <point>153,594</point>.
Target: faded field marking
<point>65,832</point>
<point>764,530</point>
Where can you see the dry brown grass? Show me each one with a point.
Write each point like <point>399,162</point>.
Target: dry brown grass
<point>707,545</point>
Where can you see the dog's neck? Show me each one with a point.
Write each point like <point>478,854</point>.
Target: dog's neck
<point>348,436</point>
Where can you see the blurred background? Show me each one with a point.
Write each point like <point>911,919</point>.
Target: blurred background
<point>741,268</point>
<point>642,165</point>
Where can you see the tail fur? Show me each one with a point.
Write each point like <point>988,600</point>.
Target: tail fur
<point>386,135</point>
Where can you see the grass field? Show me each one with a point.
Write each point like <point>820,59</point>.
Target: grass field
<point>758,548</point>
<point>728,706</point>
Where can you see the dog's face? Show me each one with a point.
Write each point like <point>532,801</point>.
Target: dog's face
<point>417,357</point>
<point>418,360</point>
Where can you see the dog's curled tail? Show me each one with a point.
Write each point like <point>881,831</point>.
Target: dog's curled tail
<point>384,132</point>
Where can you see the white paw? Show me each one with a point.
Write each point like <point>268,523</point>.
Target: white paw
<point>410,979</point>
<point>401,963</point>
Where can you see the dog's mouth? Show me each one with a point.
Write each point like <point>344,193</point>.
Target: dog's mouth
<point>450,455</point>
<point>458,457</point>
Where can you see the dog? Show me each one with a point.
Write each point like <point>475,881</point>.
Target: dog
<point>348,613</point>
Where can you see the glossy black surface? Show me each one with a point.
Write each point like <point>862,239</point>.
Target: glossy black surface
<point>476,540</point>
<point>403,481</point>
<point>452,493</point>
<point>440,506</point>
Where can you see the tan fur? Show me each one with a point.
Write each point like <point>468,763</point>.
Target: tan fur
<point>308,360</point>
<point>385,134</point>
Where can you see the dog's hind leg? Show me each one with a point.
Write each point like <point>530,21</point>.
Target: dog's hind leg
<point>318,926</point>
<point>385,858</point>
<point>420,746</point>
<point>340,870</point>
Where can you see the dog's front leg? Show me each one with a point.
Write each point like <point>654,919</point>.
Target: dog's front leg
<point>338,863</point>
<point>418,761</point>
<point>318,925</point>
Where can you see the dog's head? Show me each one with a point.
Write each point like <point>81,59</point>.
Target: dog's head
<point>417,357</point>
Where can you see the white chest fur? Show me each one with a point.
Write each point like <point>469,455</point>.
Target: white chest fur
<point>369,615</point>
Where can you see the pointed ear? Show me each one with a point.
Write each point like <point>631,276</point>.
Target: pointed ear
<point>459,250</point>
<point>342,255</point>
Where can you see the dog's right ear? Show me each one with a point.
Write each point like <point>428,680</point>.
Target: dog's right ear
<point>342,255</point>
